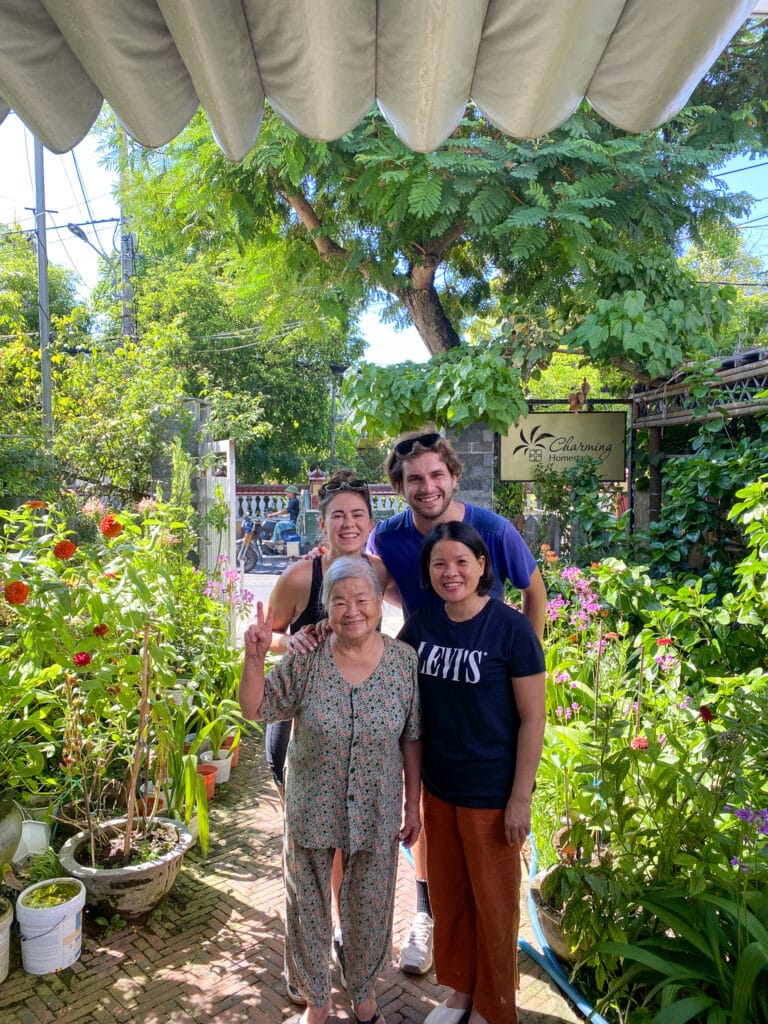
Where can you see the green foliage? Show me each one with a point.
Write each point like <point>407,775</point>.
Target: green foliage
<point>73,613</point>
<point>699,490</point>
<point>578,230</point>
<point>114,410</point>
<point>655,761</point>
<point>751,509</point>
<point>656,316</point>
<point>509,499</point>
<point>455,389</point>
<point>19,311</point>
<point>586,508</point>
<point>722,257</point>
<point>710,965</point>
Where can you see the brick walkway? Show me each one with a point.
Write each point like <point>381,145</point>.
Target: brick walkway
<point>213,950</point>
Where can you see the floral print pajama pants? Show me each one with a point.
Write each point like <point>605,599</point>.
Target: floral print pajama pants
<point>366,907</point>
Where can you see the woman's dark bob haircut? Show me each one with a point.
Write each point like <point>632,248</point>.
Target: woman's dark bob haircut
<point>470,538</point>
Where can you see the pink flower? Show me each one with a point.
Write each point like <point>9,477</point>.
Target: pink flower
<point>81,659</point>
<point>665,641</point>
<point>639,743</point>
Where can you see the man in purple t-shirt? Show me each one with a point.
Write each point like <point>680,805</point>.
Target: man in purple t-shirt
<point>424,468</point>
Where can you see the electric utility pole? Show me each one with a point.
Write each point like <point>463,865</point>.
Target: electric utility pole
<point>127,244</point>
<point>43,304</point>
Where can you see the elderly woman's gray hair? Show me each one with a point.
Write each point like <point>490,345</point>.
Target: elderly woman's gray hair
<point>349,569</point>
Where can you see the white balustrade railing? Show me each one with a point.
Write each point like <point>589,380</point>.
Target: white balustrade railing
<point>262,500</point>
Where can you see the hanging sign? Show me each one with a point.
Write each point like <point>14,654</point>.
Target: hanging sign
<point>561,440</point>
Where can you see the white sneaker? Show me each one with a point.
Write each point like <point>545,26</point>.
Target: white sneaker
<point>416,954</point>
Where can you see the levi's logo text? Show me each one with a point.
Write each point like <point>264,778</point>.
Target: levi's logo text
<point>454,663</point>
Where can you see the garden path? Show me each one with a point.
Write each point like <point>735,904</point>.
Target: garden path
<point>213,950</point>
<point>214,947</point>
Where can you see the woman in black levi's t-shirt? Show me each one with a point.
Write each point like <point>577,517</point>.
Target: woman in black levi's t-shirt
<point>481,682</point>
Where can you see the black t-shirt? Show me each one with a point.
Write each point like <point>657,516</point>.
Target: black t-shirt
<point>293,508</point>
<point>469,716</point>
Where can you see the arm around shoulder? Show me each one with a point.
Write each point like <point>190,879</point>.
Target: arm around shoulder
<point>535,602</point>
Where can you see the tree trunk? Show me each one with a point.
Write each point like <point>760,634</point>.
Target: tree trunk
<point>419,296</point>
<point>422,301</point>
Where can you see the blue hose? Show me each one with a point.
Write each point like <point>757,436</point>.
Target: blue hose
<point>546,960</point>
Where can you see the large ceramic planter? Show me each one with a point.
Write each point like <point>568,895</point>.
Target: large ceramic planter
<point>551,923</point>
<point>130,892</point>
<point>6,920</point>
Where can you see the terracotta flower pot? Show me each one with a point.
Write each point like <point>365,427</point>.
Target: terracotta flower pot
<point>150,803</point>
<point>208,772</point>
<point>227,744</point>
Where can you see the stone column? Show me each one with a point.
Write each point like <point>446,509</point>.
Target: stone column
<point>475,446</point>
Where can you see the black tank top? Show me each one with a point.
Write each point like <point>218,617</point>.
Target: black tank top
<point>314,610</point>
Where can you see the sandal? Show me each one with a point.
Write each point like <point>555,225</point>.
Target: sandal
<point>372,1020</point>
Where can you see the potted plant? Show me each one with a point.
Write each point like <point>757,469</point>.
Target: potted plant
<point>218,720</point>
<point>128,864</point>
<point>80,617</point>
<point>50,924</point>
<point>175,771</point>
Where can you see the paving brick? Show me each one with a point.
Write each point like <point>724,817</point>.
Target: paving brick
<point>213,950</point>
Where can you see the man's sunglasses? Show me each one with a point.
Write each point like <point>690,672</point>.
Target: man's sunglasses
<point>404,448</point>
<point>343,485</point>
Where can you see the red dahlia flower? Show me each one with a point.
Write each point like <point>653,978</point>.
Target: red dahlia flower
<point>707,715</point>
<point>16,592</point>
<point>64,550</point>
<point>110,527</point>
<point>665,641</point>
<point>101,629</point>
<point>81,659</point>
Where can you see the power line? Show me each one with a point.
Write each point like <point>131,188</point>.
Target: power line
<point>738,170</point>
<point>88,205</point>
<point>754,220</point>
<point>738,284</point>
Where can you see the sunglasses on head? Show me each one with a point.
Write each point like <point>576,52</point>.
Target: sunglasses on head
<point>404,448</point>
<point>343,485</point>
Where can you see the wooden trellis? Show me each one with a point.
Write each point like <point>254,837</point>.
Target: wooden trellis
<point>739,379</point>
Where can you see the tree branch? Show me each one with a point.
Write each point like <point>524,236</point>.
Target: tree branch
<point>325,245</point>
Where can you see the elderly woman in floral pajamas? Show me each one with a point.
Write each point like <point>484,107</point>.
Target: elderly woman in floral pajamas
<point>354,702</point>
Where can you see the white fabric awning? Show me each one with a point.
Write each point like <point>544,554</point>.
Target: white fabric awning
<point>322,64</point>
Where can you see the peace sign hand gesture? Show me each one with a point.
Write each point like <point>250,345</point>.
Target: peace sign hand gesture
<point>258,636</point>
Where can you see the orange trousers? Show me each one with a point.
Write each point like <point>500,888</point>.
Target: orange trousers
<point>474,888</point>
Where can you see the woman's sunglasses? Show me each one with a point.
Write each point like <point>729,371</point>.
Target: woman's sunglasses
<point>343,485</point>
<point>404,448</point>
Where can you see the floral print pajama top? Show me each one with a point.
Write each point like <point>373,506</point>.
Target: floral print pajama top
<point>344,786</point>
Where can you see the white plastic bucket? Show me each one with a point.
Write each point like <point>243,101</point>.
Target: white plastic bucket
<point>6,919</point>
<point>223,765</point>
<point>51,936</point>
<point>35,838</point>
